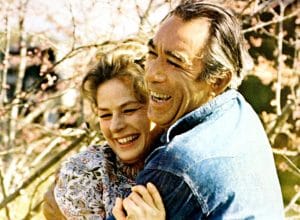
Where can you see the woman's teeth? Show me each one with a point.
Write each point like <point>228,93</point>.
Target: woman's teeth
<point>127,139</point>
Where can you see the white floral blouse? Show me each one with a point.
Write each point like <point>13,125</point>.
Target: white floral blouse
<point>89,182</point>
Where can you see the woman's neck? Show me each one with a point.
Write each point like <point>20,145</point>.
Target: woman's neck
<point>131,170</point>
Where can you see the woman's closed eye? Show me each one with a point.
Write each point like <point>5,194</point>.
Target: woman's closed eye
<point>105,116</point>
<point>130,110</point>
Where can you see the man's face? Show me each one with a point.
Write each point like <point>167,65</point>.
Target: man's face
<point>172,68</point>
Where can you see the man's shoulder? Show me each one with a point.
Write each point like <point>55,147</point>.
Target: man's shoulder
<point>184,157</point>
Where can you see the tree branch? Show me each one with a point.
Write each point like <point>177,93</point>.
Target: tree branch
<point>281,119</point>
<point>285,152</point>
<point>21,73</point>
<point>40,171</point>
<point>73,25</point>
<point>292,202</point>
<point>279,60</point>
<point>264,24</point>
<point>4,195</point>
<point>28,215</point>
<point>292,165</point>
<point>3,86</point>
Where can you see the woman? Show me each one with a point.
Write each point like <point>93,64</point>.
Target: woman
<point>89,182</point>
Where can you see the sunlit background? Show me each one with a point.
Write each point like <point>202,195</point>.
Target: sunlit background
<point>47,45</point>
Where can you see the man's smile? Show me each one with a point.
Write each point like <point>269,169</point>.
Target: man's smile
<point>159,97</point>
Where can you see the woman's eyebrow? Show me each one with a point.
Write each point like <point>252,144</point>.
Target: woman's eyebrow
<point>122,105</point>
<point>129,103</point>
<point>102,109</point>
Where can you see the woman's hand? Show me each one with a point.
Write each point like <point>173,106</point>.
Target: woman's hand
<point>50,209</point>
<point>142,203</point>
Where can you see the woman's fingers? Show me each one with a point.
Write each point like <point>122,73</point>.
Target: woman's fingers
<point>150,195</point>
<point>118,211</point>
<point>137,204</point>
<point>143,203</point>
<point>131,206</point>
<point>137,208</point>
<point>144,193</point>
<point>156,196</point>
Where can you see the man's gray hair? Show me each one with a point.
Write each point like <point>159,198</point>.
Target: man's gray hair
<point>225,50</point>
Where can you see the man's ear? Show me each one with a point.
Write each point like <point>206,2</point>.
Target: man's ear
<point>222,83</point>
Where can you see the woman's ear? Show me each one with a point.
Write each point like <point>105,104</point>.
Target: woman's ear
<point>222,83</point>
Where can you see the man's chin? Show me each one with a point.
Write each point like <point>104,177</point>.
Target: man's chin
<point>160,122</point>
<point>160,118</point>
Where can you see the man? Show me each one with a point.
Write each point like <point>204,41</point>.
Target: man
<point>215,161</point>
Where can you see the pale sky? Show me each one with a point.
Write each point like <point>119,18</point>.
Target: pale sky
<point>50,21</point>
<point>94,19</point>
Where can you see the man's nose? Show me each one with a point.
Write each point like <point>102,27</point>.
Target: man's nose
<point>155,72</point>
<point>117,123</point>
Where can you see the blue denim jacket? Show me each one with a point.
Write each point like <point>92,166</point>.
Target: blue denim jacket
<point>216,163</point>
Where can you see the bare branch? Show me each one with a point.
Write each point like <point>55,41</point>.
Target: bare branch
<point>48,104</point>
<point>292,202</point>
<point>76,50</point>
<point>264,24</point>
<point>281,119</point>
<point>11,150</point>
<point>4,195</point>
<point>28,215</point>
<point>68,55</point>
<point>3,81</point>
<point>143,16</point>
<point>21,73</point>
<point>285,152</point>
<point>41,170</point>
<point>279,60</point>
<point>3,86</point>
<point>73,25</point>
<point>246,6</point>
<point>292,165</point>
<point>276,37</point>
<point>263,6</point>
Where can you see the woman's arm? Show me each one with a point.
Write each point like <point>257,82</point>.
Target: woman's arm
<point>50,209</point>
<point>79,188</point>
<point>142,203</point>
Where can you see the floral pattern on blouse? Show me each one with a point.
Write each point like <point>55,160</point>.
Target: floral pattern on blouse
<point>89,182</point>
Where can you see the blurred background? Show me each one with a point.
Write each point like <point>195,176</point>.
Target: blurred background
<point>46,47</point>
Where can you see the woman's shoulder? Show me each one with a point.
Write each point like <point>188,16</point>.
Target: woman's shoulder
<point>90,158</point>
<point>79,186</point>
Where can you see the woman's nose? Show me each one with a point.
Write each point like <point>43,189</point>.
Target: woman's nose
<point>117,123</point>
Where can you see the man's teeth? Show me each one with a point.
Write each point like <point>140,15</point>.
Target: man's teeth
<point>127,139</point>
<point>159,97</point>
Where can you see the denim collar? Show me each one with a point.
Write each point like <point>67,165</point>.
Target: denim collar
<point>200,114</point>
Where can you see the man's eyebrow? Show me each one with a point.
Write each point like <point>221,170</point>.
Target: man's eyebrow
<point>173,54</point>
<point>177,56</point>
<point>151,44</point>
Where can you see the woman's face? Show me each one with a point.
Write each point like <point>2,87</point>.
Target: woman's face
<point>123,120</point>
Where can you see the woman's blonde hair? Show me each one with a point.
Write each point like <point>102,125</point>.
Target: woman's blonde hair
<point>114,66</point>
